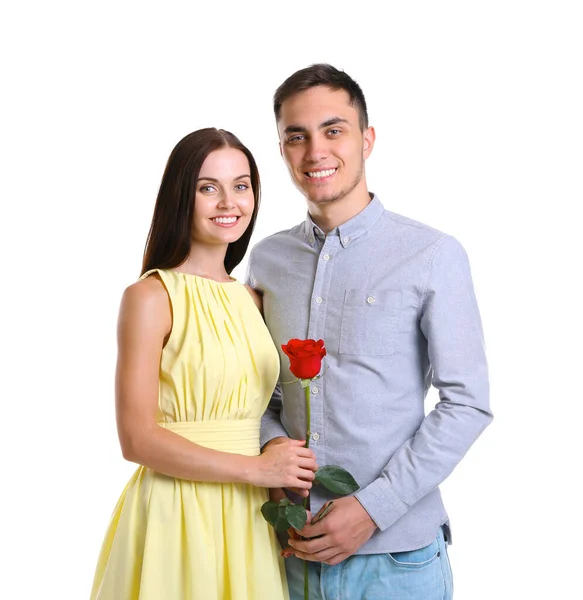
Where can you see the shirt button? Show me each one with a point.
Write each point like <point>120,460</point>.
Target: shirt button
<point>345,240</point>
<point>315,390</point>
<point>318,300</point>
<point>370,299</point>
<point>326,257</point>
<point>315,436</point>
<point>311,240</point>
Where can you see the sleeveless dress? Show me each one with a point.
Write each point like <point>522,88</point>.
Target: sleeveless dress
<point>174,539</point>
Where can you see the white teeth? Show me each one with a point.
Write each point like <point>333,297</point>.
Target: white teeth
<point>224,219</point>
<point>320,174</point>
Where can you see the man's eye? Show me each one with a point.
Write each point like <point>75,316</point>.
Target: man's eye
<point>333,131</point>
<point>295,138</point>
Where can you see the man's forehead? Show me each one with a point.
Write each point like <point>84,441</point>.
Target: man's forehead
<point>316,106</point>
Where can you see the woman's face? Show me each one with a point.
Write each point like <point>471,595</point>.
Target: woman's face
<point>224,200</point>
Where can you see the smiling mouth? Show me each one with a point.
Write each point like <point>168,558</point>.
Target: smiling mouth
<point>321,174</point>
<point>225,221</point>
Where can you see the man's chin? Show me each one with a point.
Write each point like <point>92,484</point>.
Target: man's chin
<point>323,199</point>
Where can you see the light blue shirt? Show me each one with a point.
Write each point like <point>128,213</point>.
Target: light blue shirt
<point>393,301</point>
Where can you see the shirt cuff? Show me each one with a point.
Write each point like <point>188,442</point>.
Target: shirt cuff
<point>381,503</point>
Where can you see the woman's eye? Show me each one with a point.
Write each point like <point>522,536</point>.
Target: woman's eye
<point>207,188</point>
<point>242,187</point>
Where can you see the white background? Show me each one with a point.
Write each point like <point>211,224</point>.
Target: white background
<point>478,113</point>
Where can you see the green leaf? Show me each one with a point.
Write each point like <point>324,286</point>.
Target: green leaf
<point>269,510</point>
<point>284,515</point>
<point>281,524</point>
<point>336,479</point>
<point>296,515</point>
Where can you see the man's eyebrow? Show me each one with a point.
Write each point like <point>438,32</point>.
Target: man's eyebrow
<point>217,181</point>
<point>295,129</point>
<point>324,124</point>
<point>333,121</point>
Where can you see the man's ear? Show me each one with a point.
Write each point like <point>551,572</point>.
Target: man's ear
<point>369,140</point>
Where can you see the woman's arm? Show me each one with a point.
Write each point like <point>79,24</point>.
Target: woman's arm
<point>145,321</point>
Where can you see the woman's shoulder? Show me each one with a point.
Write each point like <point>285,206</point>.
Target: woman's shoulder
<point>146,295</point>
<point>145,313</point>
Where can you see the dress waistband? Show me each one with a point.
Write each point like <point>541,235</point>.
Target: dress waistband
<point>238,436</point>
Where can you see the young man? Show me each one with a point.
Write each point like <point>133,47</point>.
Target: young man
<point>394,303</point>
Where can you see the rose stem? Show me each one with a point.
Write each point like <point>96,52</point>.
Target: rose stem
<point>308,433</point>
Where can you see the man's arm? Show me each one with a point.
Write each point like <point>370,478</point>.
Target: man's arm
<point>271,426</point>
<point>450,321</point>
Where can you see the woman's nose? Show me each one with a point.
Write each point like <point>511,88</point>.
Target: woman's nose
<point>226,200</point>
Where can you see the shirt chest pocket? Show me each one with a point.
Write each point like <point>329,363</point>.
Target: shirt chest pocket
<point>370,322</point>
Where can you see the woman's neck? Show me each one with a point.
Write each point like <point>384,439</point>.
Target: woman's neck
<point>206,261</point>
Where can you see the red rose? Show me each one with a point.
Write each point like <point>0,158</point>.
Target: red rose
<point>305,357</point>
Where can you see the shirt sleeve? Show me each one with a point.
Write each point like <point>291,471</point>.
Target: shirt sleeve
<point>271,426</point>
<point>451,324</point>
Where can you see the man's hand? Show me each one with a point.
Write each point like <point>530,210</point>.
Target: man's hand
<point>341,533</point>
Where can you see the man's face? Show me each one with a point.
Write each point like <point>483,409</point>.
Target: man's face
<point>322,144</point>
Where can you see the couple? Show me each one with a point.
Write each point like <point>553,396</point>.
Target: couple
<point>197,367</point>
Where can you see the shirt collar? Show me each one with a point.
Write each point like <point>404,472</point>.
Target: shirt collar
<point>350,230</point>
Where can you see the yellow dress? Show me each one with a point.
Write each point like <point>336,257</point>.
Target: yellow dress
<point>173,539</point>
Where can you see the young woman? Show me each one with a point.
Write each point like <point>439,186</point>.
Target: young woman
<point>196,368</point>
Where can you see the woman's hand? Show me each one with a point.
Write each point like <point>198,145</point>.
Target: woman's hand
<point>285,463</point>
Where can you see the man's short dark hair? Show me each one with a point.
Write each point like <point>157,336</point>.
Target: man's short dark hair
<point>317,75</point>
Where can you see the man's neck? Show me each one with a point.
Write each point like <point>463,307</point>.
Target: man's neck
<point>333,214</point>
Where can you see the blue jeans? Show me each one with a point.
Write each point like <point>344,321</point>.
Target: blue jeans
<point>423,574</point>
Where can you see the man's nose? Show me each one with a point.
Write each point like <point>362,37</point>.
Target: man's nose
<point>316,150</point>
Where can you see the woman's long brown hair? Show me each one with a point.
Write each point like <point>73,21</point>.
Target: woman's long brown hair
<point>169,239</point>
